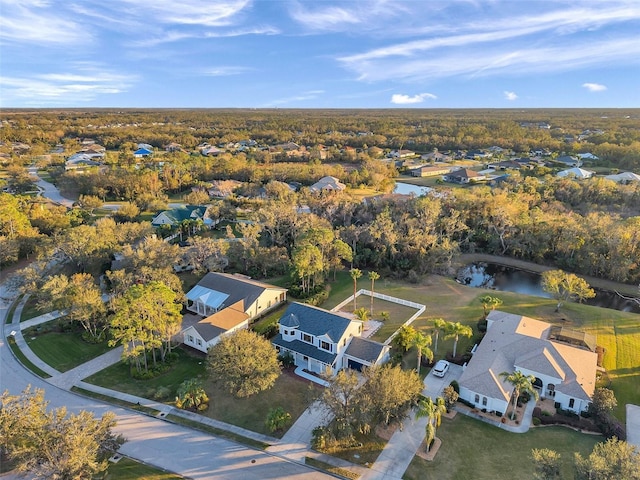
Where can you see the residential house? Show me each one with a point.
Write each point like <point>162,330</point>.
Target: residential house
<point>430,171</point>
<point>402,153</point>
<point>93,151</point>
<point>569,160</point>
<point>176,216</point>
<point>624,177</point>
<point>562,371</point>
<point>506,164</point>
<point>173,147</point>
<point>576,172</point>
<point>436,156</point>
<point>587,156</point>
<point>463,176</point>
<point>143,150</point>
<point>223,188</point>
<point>80,161</point>
<point>222,304</point>
<point>327,184</point>
<point>326,342</point>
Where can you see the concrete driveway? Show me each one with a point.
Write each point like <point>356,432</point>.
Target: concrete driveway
<point>434,385</point>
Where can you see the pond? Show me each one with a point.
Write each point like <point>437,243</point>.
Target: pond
<point>508,279</point>
<point>408,189</point>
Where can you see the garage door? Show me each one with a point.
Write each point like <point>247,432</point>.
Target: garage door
<point>353,365</point>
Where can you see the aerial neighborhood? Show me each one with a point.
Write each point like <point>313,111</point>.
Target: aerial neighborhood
<point>360,294</point>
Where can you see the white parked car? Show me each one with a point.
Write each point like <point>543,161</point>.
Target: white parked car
<point>440,369</point>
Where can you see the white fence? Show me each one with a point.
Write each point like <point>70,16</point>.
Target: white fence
<point>400,301</point>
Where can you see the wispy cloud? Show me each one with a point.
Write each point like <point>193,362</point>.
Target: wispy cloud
<point>343,16</point>
<point>549,41</point>
<point>402,99</point>
<point>308,95</point>
<point>82,83</point>
<point>511,96</point>
<point>594,87</point>
<point>225,71</point>
<point>217,13</point>
<point>34,22</point>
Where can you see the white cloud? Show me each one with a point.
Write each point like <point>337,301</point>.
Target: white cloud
<point>345,15</point>
<point>511,96</point>
<point>401,99</point>
<point>225,71</point>
<point>217,13</point>
<point>82,82</point>
<point>594,87</point>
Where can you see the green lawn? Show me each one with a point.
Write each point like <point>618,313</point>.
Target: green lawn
<point>63,351</point>
<point>290,392</point>
<point>270,319</point>
<point>30,310</point>
<point>128,469</point>
<point>117,377</point>
<point>473,449</point>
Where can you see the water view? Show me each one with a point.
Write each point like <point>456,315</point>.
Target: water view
<point>408,189</point>
<point>508,279</point>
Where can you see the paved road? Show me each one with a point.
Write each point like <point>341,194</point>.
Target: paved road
<point>49,190</point>
<point>172,447</point>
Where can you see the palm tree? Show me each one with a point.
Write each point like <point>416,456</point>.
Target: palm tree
<point>191,395</point>
<point>521,383</point>
<point>489,302</point>
<point>355,274</point>
<point>422,342</point>
<point>454,330</point>
<point>439,326</point>
<point>373,276</point>
<point>362,314</point>
<point>433,411</point>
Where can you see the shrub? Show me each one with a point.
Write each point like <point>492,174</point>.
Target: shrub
<point>498,414</point>
<point>286,360</point>
<point>537,412</point>
<point>456,386</point>
<point>536,421</point>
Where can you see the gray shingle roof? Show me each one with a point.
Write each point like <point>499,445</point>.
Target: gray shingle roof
<point>237,288</point>
<point>315,321</point>
<point>364,349</point>
<point>305,349</point>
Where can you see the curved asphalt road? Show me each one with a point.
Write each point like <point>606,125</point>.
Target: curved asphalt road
<point>49,190</point>
<point>154,441</point>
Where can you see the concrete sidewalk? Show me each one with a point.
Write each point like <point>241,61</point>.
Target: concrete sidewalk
<point>73,377</point>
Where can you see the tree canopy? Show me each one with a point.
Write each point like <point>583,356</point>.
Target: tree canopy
<point>244,363</point>
<point>55,444</point>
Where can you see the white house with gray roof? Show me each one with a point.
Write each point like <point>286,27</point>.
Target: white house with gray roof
<point>222,303</point>
<point>321,341</point>
<point>563,372</point>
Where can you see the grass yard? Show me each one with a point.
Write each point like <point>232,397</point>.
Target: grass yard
<point>62,351</point>
<point>30,310</point>
<point>128,469</point>
<point>290,392</point>
<point>269,319</point>
<point>473,449</point>
<point>118,378</point>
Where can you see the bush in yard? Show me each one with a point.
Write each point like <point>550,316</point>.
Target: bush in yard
<point>277,419</point>
<point>450,397</point>
<point>191,395</point>
<point>455,386</point>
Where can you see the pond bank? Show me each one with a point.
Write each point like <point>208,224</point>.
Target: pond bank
<point>622,288</point>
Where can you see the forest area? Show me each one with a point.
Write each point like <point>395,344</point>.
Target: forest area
<point>281,226</point>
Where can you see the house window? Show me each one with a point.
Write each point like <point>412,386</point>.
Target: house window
<point>477,399</point>
<point>344,344</point>
<point>286,332</point>
<point>571,402</point>
<point>199,342</point>
<point>190,338</point>
<point>305,358</point>
<point>551,390</point>
<point>325,346</point>
<point>484,401</point>
<point>307,338</point>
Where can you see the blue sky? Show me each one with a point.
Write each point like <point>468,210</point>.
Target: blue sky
<point>320,54</point>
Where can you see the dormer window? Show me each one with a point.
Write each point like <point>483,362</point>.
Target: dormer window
<point>325,346</point>
<point>307,338</point>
